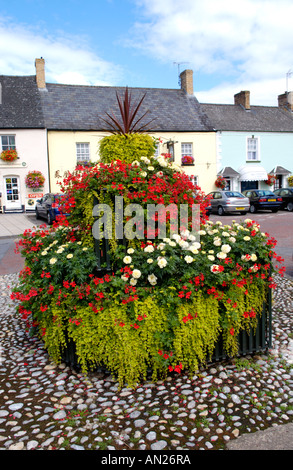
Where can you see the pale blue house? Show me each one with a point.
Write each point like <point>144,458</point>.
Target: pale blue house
<point>253,141</point>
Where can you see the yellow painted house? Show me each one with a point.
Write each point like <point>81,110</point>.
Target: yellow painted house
<point>74,120</point>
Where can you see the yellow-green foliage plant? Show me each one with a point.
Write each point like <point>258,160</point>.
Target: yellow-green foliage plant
<point>198,332</point>
<point>127,147</point>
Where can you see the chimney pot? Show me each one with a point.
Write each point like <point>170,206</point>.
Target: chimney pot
<point>243,98</point>
<point>40,73</point>
<point>186,80</point>
<point>285,101</point>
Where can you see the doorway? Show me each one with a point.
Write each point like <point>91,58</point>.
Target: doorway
<point>12,193</point>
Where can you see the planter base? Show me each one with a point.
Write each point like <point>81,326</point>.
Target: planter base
<point>251,343</point>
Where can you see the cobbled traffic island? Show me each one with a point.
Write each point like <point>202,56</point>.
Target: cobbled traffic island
<point>45,406</point>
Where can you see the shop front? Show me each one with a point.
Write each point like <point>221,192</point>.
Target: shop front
<point>252,176</point>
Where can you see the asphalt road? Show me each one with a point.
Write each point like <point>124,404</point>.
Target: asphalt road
<point>279,226</point>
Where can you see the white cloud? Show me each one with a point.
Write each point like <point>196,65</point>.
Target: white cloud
<point>245,42</point>
<point>262,92</point>
<point>68,58</point>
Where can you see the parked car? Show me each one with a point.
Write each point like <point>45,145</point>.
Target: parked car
<point>228,201</point>
<point>262,199</point>
<point>287,198</point>
<point>48,207</point>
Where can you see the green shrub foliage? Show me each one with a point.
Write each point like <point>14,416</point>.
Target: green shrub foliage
<point>126,147</point>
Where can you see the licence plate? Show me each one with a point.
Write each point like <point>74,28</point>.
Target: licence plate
<point>240,208</point>
<point>271,200</point>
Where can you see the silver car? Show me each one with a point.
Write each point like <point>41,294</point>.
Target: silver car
<point>223,202</point>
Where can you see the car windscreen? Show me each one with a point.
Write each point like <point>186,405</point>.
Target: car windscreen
<point>233,194</point>
<point>265,193</point>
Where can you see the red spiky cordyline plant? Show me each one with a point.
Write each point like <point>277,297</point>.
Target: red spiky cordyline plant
<point>128,112</point>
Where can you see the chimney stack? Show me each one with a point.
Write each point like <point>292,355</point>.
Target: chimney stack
<point>40,73</point>
<point>243,98</point>
<point>186,80</point>
<point>285,101</point>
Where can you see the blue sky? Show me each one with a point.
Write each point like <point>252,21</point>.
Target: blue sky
<point>230,46</point>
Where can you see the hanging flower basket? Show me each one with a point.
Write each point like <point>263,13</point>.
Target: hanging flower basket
<point>9,155</point>
<point>34,179</point>
<point>271,180</point>
<point>220,182</point>
<point>290,180</point>
<point>187,160</point>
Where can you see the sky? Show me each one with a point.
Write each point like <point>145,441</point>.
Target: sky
<point>231,45</point>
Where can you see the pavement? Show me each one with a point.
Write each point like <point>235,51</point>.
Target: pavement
<point>12,225</point>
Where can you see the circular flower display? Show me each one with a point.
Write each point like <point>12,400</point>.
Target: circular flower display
<point>220,182</point>
<point>34,179</point>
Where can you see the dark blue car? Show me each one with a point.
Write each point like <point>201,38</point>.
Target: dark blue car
<point>48,207</point>
<point>263,199</point>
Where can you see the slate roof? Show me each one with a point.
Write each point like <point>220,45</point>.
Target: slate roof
<point>228,172</point>
<point>226,117</point>
<point>20,103</point>
<point>76,107</point>
<point>280,170</point>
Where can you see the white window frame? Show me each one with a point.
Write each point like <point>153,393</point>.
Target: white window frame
<point>157,152</point>
<point>82,151</point>
<point>186,149</point>
<point>194,179</point>
<point>250,151</point>
<point>9,145</point>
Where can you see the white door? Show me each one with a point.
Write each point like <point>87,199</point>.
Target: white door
<point>12,196</point>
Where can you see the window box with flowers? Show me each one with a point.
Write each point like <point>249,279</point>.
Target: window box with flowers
<point>9,155</point>
<point>187,160</point>
<point>34,180</point>
<point>220,182</point>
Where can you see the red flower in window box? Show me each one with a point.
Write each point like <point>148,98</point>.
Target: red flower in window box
<point>8,155</point>
<point>187,160</point>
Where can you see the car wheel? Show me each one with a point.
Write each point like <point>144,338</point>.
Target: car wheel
<point>252,209</point>
<point>37,214</point>
<point>290,206</point>
<point>220,210</point>
<point>49,219</point>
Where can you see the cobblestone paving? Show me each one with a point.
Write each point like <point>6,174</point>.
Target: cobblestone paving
<point>44,406</point>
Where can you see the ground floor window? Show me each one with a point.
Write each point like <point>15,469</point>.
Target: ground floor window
<point>249,185</point>
<point>194,180</point>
